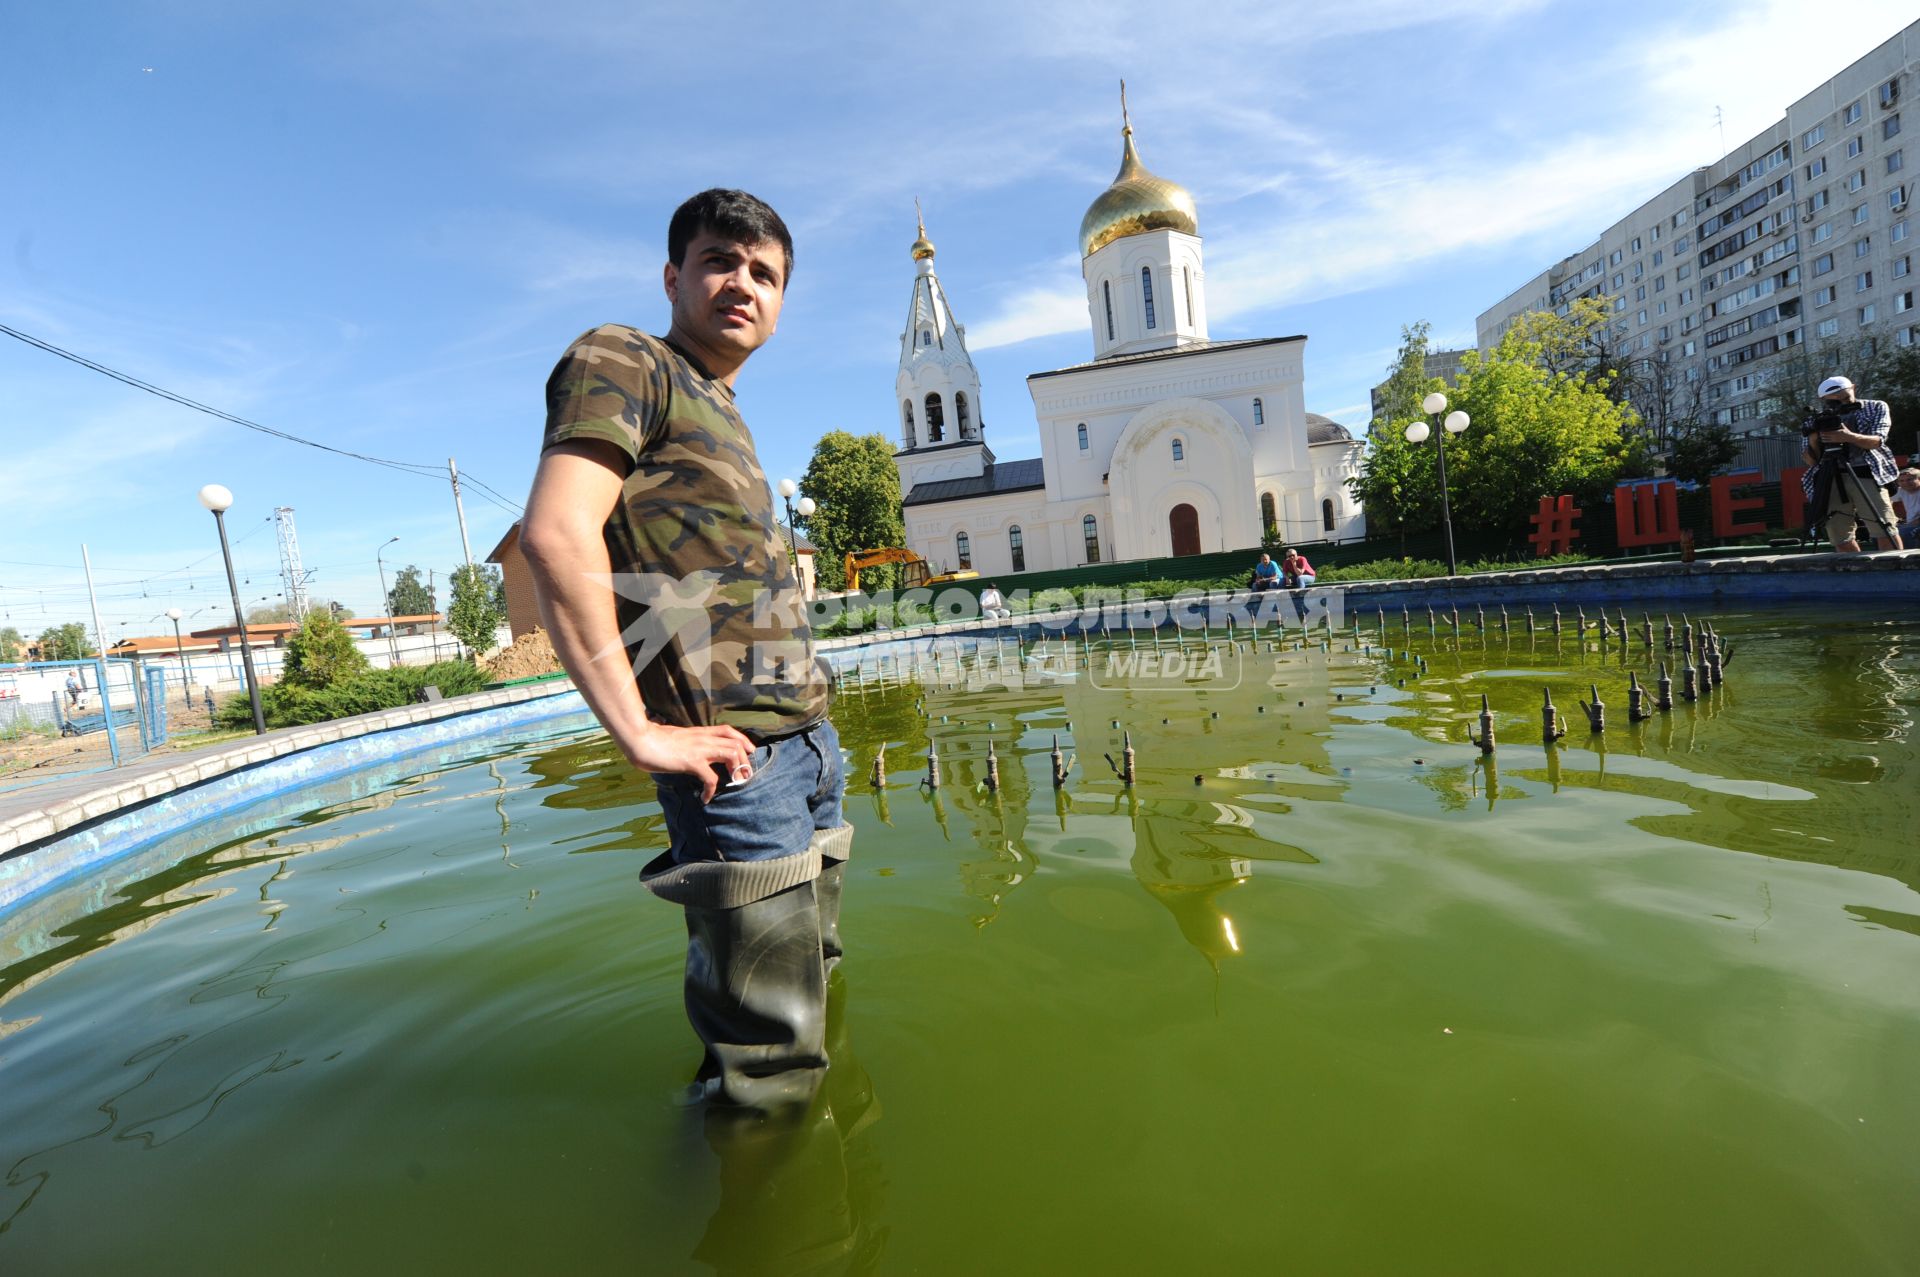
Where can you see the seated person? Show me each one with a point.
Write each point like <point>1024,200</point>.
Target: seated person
<point>1296,570</point>
<point>1266,574</point>
<point>992,603</point>
<point>1906,502</point>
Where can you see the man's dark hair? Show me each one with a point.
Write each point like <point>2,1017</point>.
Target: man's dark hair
<point>733,215</point>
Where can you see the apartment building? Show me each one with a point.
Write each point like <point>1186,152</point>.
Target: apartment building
<point>1803,236</point>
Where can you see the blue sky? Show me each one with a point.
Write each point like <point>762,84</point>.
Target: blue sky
<point>378,224</point>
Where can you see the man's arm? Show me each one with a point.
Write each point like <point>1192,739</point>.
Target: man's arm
<point>574,491</point>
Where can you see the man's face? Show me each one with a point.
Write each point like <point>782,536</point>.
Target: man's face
<point>726,295</point>
<point>1839,398</point>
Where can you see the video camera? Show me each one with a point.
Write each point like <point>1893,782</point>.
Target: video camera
<point>1817,420</point>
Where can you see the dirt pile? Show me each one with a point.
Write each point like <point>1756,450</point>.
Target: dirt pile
<point>528,656</point>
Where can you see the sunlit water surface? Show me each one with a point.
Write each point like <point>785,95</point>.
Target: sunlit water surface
<point>1326,992</point>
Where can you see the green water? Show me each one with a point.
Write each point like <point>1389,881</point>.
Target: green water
<point>1351,1001</point>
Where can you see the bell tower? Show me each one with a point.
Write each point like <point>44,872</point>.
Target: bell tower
<point>937,391</point>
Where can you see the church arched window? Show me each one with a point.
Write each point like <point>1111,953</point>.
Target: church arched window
<point>1106,292</point>
<point>1186,277</point>
<point>926,337</point>
<point>1269,520</point>
<point>963,549</point>
<point>1146,291</point>
<point>1090,532</point>
<point>1259,413</point>
<point>1326,514</point>
<point>936,420</point>
<point>1017,542</point>
<point>906,421</point>
<point>1179,451</point>
<point>960,415</point>
<point>1083,436</point>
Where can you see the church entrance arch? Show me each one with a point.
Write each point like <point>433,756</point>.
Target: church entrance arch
<point>1183,523</point>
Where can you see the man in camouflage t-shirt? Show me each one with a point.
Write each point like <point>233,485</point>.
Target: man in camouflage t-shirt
<point>677,611</point>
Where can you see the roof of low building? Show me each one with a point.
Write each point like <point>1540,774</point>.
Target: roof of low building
<point>1326,430</point>
<point>1001,476</point>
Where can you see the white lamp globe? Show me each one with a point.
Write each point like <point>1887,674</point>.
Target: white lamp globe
<point>1435,402</point>
<point>1457,421</point>
<point>1418,432</point>
<point>805,506</point>
<point>788,487</point>
<point>216,498</point>
<point>173,614</point>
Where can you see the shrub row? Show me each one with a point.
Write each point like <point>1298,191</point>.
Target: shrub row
<point>287,705</point>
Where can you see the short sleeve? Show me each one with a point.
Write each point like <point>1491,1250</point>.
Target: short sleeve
<point>611,385</point>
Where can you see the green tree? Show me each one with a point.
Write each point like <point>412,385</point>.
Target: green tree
<point>269,614</point>
<point>479,605</point>
<point>1397,484</point>
<point>12,646</point>
<point>67,642</point>
<point>857,490</point>
<point>409,595</point>
<point>1536,430</point>
<point>320,654</point>
<point>1701,451</point>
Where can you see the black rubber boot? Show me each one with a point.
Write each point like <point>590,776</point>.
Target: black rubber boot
<point>756,994</point>
<point>826,890</point>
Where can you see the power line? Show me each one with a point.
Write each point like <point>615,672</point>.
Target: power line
<point>406,467</point>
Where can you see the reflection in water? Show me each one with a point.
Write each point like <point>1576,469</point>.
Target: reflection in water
<point>800,1194</point>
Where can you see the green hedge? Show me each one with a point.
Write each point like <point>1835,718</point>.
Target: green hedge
<point>288,706</point>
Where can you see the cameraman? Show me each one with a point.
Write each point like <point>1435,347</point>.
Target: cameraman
<point>1849,467</point>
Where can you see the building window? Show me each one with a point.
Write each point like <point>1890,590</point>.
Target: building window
<point>1823,297</point>
<point>1897,198</point>
<point>1896,161</point>
<point>1106,293</point>
<point>936,420</point>
<point>1823,263</point>
<point>1017,545</point>
<point>1902,303</point>
<point>1816,201</point>
<point>1823,232</point>
<point>1326,515</point>
<point>963,549</point>
<point>1179,451</point>
<point>1146,292</point>
<point>1269,520</point>
<point>906,420</point>
<point>926,337</point>
<point>1816,167</point>
<point>1890,126</point>
<point>1813,137</point>
<point>1889,93</point>
<point>1083,436</point>
<point>1856,179</point>
<point>1186,280</point>
<point>1259,413</point>
<point>1902,266</point>
<point>1899,231</point>
<point>1614,258</point>
<point>960,414</point>
<point>1863,281</point>
<point>1866,314</point>
<point>1852,115</point>
<point>1863,246</point>
<point>1827,328</point>
<point>1090,533</point>
<point>1854,146</point>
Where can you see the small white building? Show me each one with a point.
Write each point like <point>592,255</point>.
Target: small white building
<point>1165,443</point>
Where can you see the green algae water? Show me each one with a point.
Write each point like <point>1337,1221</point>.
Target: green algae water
<point>1326,991</point>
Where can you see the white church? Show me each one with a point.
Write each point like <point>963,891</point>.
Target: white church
<point>1165,443</point>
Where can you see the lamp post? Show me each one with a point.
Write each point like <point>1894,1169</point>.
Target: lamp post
<point>393,651</point>
<point>217,499</point>
<point>1456,421</point>
<point>179,650</point>
<point>806,507</point>
<point>787,488</point>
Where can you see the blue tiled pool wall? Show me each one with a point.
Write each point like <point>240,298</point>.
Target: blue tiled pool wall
<point>370,762</point>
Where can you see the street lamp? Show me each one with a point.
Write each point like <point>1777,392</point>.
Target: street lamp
<point>393,651</point>
<point>217,499</point>
<point>1456,421</point>
<point>179,650</point>
<point>787,488</point>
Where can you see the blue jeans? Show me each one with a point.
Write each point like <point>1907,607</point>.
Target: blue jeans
<point>794,792</point>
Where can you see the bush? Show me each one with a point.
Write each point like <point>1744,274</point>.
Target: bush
<point>288,705</point>
<point>321,654</point>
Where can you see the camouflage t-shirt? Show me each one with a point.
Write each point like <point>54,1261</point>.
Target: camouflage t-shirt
<point>709,607</point>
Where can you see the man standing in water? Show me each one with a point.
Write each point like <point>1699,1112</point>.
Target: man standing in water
<point>669,599</point>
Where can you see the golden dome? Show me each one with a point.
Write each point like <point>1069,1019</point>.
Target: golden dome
<point>922,247</point>
<point>1137,201</point>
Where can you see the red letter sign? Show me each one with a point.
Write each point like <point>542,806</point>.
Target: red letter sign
<point>1646,514</point>
<point>1726,505</point>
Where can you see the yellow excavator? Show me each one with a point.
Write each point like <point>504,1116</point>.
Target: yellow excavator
<point>915,574</point>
